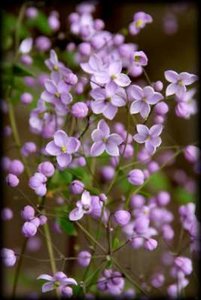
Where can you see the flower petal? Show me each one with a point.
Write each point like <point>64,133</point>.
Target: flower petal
<point>115,139</point>
<point>110,89</point>
<point>110,111</point>
<point>86,198</point>
<point>76,214</point>
<point>97,135</point>
<point>118,101</point>
<point>171,89</point>
<point>72,145</point>
<point>135,107</point>
<point>156,130</point>
<point>102,125</point>
<point>101,77</point>
<point>50,86</point>
<point>122,80</point>
<point>112,149</point>
<point>145,110</point>
<point>135,92</point>
<point>48,286</point>
<point>142,130</point>
<point>115,68</point>
<point>60,138</point>
<point>171,76</point>
<point>97,148</point>
<point>98,94</point>
<point>98,106</point>
<point>52,149</point>
<point>45,277</point>
<point>64,160</point>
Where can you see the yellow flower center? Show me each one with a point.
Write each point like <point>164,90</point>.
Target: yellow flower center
<point>113,76</point>
<point>55,68</point>
<point>56,284</point>
<point>137,58</point>
<point>180,82</point>
<point>139,23</point>
<point>57,94</point>
<point>63,149</point>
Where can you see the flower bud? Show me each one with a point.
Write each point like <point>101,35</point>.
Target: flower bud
<point>84,258</point>
<point>26,98</point>
<point>28,148</point>
<point>161,108</point>
<point>8,257</point>
<point>150,244</point>
<point>163,198</point>
<point>137,201</point>
<point>136,177</point>
<point>28,213</point>
<point>122,217</point>
<point>107,173</point>
<point>79,110</point>
<point>29,229</point>
<point>16,167</point>
<point>46,168</point>
<point>191,153</point>
<point>76,187</point>
<point>158,86</point>
<point>12,180</point>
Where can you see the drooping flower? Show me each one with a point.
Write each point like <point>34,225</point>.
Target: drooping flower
<point>111,282</point>
<point>84,206</point>
<point>8,256</point>
<point>38,183</point>
<point>58,281</point>
<point>149,136</point>
<point>108,100</point>
<point>63,147</point>
<point>178,82</point>
<point>140,19</point>
<point>143,98</point>
<point>104,141</point>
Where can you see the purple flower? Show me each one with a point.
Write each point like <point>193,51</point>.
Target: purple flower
<point>63,147</point>
<point>108,100</point>
<point>59,281</point>
<point>191,153</point>
<point>140,19</point>
<point>149,136</point>
<point>6,214</point>
<point>84,206</point>
<point>104,141</point>
<point>143,98</point>
<point>26,45</point>
<point>111,282</point>
<point>157,280</point>
<point>140,58</point>
<point>28,148</point>
<point>8,257</point>
<point>38,183</point>
<point>178,82</point>
<point>84,258</point>
<point>56,91</point>
<point>26,98</point>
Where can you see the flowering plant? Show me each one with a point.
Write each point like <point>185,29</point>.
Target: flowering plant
<point>109,185</point>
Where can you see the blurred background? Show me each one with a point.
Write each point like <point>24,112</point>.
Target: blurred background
<point>170,42</point>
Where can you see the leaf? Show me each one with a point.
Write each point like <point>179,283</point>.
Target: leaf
<point>158,180</point>
<point>115,243</point>
<point>61,177</point>
<point>67,226</point>
<point>20,71</point>
<point>81,174</point>
<point>183,196</point>
<point>41,23</point>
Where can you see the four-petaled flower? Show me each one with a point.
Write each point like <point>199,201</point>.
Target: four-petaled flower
<point>178,82</point>
<point>84,206</point>
<point>104,141</point>
<point>108,100</point>
<point>63,147</point>
<point>143,98</point>
<point>149,136</point>
<point>58,281</point>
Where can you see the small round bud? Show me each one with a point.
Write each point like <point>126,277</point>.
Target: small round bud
<point>6,214</point>
<point>76,187</point>
<point>158,86</point>
<point>12,180</point>
<point>28,148</point>
<point>136,177</point>
<point>29,229</point>
<point>28,213</point>
<point>191,153</point>
<point>107,173</point>
<point>163,198</point>
<point>85,49</point>
<point>8,257</point>
<point>137,201</point>
<point>84,258</point>
<point>153,166</point>
<point>46,168</point>
<point>26,98</point>
<point>43,219</point>
<point>161,108</point>
<point>122,217</point>
<point>16,167</point>
<point>79,110</point>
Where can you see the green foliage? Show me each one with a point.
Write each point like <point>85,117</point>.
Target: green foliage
<point>81,174</point>
<point>41,23</point>
<point>67,226</point>
<point>61,178</point>
<point>183,196</point>
<point>21,71</point>
<point>159,181</point>
<point>115,243</point>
